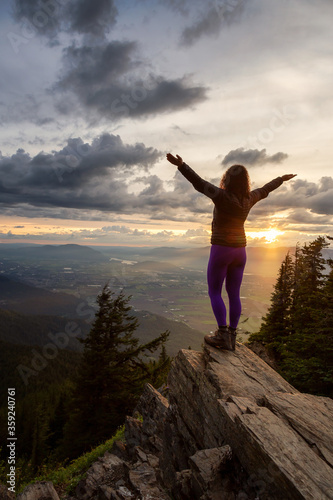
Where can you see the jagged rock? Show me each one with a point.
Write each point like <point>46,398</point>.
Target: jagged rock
<point>143,479</point>
<point>221,397</point>
<point>232,429</point>
<point>5,494</point>
<point>120,449</point>
<point>315,427</point>
<point>43,490</point>
<point>207,465</point>
<point>183,486</point>
<point>107,470</point>
<point>154,409</point>
<point>133,432</point>
<point>263,352</point>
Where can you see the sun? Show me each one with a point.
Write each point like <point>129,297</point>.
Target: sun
<point>272,234</point>
<point>269,236</point>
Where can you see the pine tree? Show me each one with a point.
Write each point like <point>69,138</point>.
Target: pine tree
<point>276,325</point>
<point>298,327</point>
<point>39,435</point>
<point>308,363</point>
<point>309,280</point>
<point>111,375</point>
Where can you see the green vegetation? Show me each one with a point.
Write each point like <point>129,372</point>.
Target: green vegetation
<point>111,375</point>
<point>298,328</point>
<point>66,477</point>
<point>68,402</point>
<point>39,330</point>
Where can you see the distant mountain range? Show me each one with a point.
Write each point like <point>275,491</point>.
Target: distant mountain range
<point>64,253</point>
<point>22,321</point>
<point>29,330</point>
<point>263,261</point>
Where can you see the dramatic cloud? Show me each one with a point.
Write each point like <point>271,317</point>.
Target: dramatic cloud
<point>218,13</point>
<point>252,157</point>
<point>26,108</point>
<point>50,17</point>
<point>301,216</point>
<point>79,176</point>
<point>181,6</point>
<point>85,181</point>
<point>306,202</point>
<point>102,78</point>
<point>92,17</point>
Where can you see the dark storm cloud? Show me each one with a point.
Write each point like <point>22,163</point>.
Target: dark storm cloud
<point>27,108</point>
<point>252,157</point>
<point>78,176</point>
<point>217,14</point>
<point>102,78</point>
<point>93,178</point>
<point>209,24</point>
<point>302,196</point>
<point>92,17</point>
<point>181,6</point>
<point>107,176</point>
<point>50,17</point>
<point>301,216</point>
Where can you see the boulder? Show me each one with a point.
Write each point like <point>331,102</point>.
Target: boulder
<point>5,494</point>
<point>43,490</point>
<point>281,438</point>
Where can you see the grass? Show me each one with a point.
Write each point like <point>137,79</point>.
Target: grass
<point>65,479</point>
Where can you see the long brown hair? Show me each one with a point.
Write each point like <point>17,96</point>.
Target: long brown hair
<point>236,180</point>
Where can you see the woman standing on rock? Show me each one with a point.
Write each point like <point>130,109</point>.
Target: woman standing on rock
<point>232,203</point>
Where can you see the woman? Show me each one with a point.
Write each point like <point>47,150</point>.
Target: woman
<point>232,203</point>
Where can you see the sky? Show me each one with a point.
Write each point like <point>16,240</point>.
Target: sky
<point>95,93</point>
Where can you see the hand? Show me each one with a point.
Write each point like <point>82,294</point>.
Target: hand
<point>175,161</point>
<point>287,177</point>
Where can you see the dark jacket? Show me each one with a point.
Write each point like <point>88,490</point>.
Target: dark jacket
<point>230,211</point>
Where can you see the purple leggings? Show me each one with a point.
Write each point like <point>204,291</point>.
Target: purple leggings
<point>226,263</point>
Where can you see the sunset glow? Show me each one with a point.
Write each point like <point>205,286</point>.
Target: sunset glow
<point>89,110</point>
<point>269,236</point>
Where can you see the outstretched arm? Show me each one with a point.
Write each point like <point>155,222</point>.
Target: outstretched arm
<point>198,183</point>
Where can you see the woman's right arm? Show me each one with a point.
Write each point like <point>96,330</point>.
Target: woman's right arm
<point>198,183</point>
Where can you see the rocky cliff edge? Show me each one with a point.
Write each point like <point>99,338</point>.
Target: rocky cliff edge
<point>228,428</point>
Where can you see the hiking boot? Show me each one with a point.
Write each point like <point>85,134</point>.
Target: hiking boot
<point>221,339</point>
<point>232,335</point>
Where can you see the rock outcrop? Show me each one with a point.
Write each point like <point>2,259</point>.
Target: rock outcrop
<point>43,490</point>
<point>228,428</point>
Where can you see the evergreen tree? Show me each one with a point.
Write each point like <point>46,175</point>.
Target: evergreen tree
<point>309,280</point>
<point>308,362</point>
<point>276,325</point>
<point>39,436</point>
<point>111,375</point>
<point>298,327</point>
